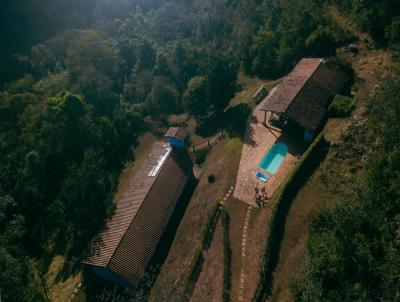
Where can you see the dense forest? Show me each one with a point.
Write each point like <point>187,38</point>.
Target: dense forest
<point>81,80</point>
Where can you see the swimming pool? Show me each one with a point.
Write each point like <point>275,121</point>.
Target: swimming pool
<point>273,159</point>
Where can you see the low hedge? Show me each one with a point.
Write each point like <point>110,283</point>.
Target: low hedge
<point>195,265</point>
<point>288,190</point>
<point>208,228</point>
<point>227,256</point>
<point>341,106</point>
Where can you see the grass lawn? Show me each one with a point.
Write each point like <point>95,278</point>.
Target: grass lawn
<point>309,202</point>
<point>256,238</point>
<point>222,162</point>
<point>210,283</point>
<point>59,288</point>
<point>249,87</point>
<point>194,137</point>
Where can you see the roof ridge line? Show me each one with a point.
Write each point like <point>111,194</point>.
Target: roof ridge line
<point>141,204</point>
<point>305,83</point>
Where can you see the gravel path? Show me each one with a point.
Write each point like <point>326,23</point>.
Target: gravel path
<point>243,254</point>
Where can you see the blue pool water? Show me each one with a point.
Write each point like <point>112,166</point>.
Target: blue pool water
<point>262,176</point>
<point>273,159</point>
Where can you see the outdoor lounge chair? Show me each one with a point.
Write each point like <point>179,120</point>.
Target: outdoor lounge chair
<point>261,176</point>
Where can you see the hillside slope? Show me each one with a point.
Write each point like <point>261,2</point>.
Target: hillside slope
<point>337,176</point>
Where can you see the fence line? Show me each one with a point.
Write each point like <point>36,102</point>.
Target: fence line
<point>209,143</point>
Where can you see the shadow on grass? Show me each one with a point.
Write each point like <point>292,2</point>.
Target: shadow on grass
<point>232,120</point>
<point>249,133</point>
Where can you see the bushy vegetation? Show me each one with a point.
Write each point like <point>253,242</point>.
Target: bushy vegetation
<point>209,225</point>
<point>353,251</point>
<point>195,266</point>
<point>200,156</point>
<point>341,106</point>
<point>287,191</point>
<point>60,162</point>
<point>207,233</point>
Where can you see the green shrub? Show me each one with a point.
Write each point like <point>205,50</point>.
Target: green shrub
<point>195,266</point>
<point>211,178</point>
<point>227,256</point>
<point>341,106</point>
<point>288,190</point>
<point>235,120</point>
<point>200,156</point>
<point>208,228</point>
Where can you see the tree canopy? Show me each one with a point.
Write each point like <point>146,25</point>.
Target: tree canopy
<point>74,73</point>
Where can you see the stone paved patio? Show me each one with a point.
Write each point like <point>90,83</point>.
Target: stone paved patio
<point>258,140</point>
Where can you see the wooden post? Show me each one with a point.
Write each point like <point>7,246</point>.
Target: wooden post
<point>265,117</point>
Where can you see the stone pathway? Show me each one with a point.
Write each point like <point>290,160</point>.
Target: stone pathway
<point>227,195</point>
<point>243,253</point>
<point>208,275</point>
<point>75,292</point>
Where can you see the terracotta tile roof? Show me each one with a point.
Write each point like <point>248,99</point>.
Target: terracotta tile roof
<point>178,132</point>
<point>131,235</point>
<point>312,102</point>
<point>305,93</point>
<point>171,132</point>
<point>288,89</point>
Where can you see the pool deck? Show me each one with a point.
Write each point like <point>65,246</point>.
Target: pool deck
<point>258,140</point>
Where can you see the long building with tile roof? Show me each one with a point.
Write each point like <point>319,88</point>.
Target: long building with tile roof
<point>123,251</point>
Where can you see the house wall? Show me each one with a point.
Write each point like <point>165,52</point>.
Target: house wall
<point>308,136</point>
<point>176,142</point>
<point>105,273</point>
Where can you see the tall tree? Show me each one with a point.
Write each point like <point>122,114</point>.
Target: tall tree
<point>195,98</point>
